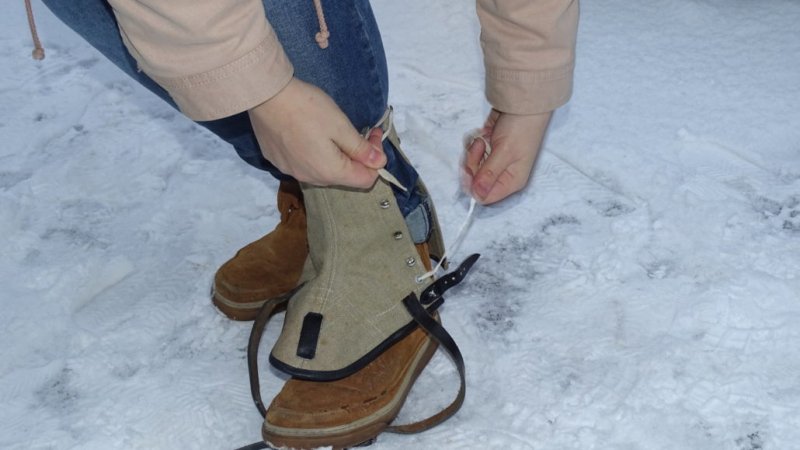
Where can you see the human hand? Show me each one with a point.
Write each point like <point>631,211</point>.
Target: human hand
<point>305,134</point>
<point>515,141</point>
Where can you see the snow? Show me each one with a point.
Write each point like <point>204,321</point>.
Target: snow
<point>642,293</point>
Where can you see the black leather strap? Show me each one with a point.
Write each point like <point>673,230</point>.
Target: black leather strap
<point>421,312</point>
<point>260,323</point>
<point>309,335</point>
<point>441,285</point>
<point>264,314</point>
<point>437,331</point>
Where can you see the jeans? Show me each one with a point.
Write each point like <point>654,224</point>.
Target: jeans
<point>352,70</point>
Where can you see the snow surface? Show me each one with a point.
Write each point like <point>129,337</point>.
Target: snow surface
<point>642,293</point>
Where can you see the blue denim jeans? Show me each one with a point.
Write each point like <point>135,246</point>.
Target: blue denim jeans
<point>352,70</point>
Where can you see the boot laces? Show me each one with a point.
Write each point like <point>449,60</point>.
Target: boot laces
<point>464,228</point>
<point>387,125</point>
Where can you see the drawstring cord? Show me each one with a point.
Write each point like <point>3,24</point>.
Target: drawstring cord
<point>386,120</point>
<point>38,50</point>
<point>462,231</point>
<point>324,34</point>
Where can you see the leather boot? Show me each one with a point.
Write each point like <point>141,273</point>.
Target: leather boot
<point>269,267</point>
<point>352,410</point>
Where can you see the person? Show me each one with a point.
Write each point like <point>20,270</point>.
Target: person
<point>292,86</point>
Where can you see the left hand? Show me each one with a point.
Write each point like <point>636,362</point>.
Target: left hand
<point>304,134</point>
<point>516,140</point>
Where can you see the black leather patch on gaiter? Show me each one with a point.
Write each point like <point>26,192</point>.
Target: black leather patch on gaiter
<point>309,335</point>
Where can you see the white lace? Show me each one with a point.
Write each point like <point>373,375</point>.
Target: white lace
<point>462,231</point>
<point>389,178</point>
<point>387,118</point>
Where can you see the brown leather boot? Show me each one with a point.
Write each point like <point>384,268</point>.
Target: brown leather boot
<point>269,267</point>
<point>352,410</point>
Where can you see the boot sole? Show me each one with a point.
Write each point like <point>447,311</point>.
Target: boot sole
<point>236,310</point>
<point>358,433</point>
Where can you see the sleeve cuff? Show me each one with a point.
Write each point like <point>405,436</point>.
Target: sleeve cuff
<point>235,87</point>
<point>521,92</point>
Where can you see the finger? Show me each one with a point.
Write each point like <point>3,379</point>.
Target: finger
<point>488,173</point>
<point>356,175</point>
<point>507,183</point>
<point>367,152</point>
<point>475,152</point>
<point>340,170</point>
<point>375,139</point>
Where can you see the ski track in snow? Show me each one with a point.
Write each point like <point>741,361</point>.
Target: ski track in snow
<point>642,293</point>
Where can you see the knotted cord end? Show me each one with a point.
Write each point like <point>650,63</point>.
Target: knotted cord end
<point>322,39</point>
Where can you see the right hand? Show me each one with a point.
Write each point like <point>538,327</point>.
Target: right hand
<point>516,141</point>
<point>304,134</point>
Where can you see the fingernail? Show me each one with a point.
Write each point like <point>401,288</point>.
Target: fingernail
<point>482,190</point>
<point>374,156</point>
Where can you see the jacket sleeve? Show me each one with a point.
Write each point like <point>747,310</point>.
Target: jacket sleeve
<point>528,53</point>
<point>216,58</point>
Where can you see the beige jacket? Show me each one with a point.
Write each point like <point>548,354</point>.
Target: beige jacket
<point>221,57</point>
